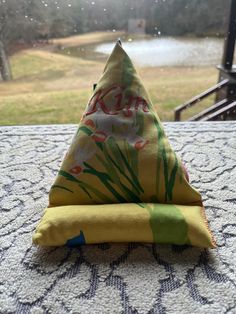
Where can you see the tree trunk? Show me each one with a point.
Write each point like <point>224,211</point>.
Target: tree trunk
<point>5,69</point>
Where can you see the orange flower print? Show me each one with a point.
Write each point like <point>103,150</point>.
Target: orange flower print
<point>140,144</point>
<point>90,123</point>
<point>76,170</point>
<point>99,136</point>
<point>126,128</point>
<point>81,154</point>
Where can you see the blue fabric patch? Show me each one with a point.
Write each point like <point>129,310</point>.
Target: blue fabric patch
<point>76,241</point>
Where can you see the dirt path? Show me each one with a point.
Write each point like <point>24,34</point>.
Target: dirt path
<point>87,39</point>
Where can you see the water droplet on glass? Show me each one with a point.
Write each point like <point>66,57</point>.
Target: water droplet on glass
<point>58,8</point>
<point>26,16</point>
<point>130,39</point>
<point>69,5</point>
<point>93,3</point>
<point>159,33</point>
<point>104,10</point>
<point>114,30</point>
<point>45,4</point>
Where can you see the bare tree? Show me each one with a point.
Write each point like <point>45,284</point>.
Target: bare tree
<point>5,14</point>
<point>18,20</point>
<point>5,69</point>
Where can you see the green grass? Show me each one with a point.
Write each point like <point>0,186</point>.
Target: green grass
<point>43,108</point>
<point>52,88</point>
<point>26,66</point>
<point>171,87</point>
<point>44,66</point>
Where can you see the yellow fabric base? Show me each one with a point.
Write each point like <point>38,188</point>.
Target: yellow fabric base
<point>128,222</point>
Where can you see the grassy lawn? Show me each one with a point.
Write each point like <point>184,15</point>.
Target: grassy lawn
<point>51,87</point>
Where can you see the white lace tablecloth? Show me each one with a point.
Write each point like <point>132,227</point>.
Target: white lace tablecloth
<point>115,278</point>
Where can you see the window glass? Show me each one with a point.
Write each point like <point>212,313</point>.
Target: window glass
<point>52,52</point>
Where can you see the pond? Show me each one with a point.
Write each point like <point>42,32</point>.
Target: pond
<point>169,51</point>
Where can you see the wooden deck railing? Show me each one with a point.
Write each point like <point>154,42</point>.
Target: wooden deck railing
<point>198,98</point>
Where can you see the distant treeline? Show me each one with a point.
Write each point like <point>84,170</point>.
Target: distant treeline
<point>32,19</point>
<point>26,21</point>
<point>168,17</point>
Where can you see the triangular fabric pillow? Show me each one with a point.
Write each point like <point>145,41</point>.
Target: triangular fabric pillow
<point>120,180</point>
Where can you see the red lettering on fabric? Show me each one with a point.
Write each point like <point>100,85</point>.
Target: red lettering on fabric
<point>126,104</point>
